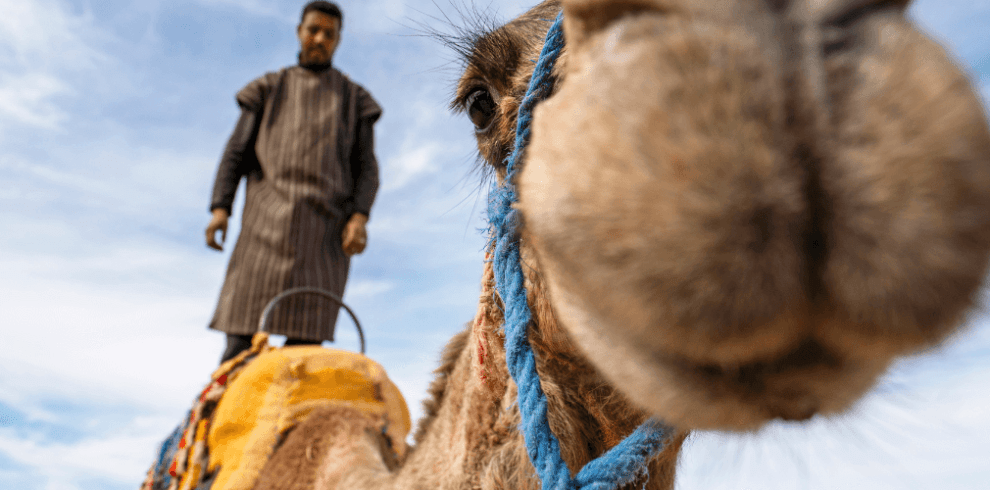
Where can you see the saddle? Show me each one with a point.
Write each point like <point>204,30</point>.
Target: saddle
<point>254,400</point>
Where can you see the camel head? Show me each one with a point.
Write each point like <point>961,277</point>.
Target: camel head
<point>743,210</point>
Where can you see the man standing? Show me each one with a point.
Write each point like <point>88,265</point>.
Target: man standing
<point>305,143</point>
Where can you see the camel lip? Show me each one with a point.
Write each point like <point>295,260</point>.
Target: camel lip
<point>808,354</point>
<point>799,410</point>
<point>769,384</point>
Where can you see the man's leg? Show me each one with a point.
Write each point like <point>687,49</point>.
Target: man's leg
<point>291,342</point>
<point>235,344</point>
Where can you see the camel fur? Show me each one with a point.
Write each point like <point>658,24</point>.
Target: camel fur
<point>734,211</point>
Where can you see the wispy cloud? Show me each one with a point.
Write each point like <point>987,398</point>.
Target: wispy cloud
<point>46,34</point>
<point>426,144</point>
<point>412,162</point>
<point>257,8</point>
<point>43,50</point>
<point>107,460</point>
<point>29,99</point>
<point>369,288</point>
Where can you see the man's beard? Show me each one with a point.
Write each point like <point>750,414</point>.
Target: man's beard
<point>314,56</point>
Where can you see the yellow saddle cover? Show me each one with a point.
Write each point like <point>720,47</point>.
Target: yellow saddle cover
<point>278,390</point>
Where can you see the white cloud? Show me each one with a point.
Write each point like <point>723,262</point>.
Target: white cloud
<point>105,457</point>
<point>257,8</point>
<point>368,289</point>
<point>50,176</point>
<point>44,34</point>
<point>409,164</point>
<point>44,49</point>
<point>72,339</point>
<point>425,144</point>
<point>93,342</point>
<point>29,99</point>
<point>126,183</point>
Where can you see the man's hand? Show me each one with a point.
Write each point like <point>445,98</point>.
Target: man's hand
<point>355,236</point>
<point>218,223</point>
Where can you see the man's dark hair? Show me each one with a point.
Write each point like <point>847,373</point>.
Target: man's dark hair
<point>325,7</point>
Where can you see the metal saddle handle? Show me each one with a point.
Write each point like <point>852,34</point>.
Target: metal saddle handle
<point>266,314</point>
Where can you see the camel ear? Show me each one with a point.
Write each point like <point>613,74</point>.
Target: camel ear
<point>584,18</point>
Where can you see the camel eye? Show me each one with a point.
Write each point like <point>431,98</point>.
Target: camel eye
<point>481,107</point>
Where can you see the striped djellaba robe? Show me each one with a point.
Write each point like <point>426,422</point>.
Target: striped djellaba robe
<point>304,142</point>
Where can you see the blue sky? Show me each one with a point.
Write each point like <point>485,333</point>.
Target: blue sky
<point>113,114</point>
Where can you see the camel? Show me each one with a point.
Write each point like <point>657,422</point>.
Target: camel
<point>732,212</point>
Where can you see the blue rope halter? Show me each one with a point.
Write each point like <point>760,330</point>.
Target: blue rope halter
<point>627,461</point>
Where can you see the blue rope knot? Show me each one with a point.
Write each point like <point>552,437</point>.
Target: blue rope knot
<point>626,462</point>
